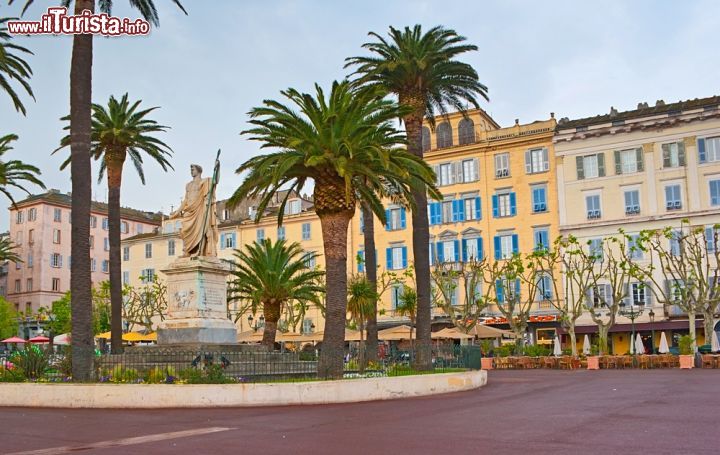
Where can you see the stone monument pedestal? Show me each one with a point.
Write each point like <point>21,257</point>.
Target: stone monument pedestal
<point>197,304</point>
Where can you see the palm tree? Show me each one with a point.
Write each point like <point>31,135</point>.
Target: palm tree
<point>14,173</point>
<point>13,66</point>
<point>421,70</point>
<point>83,348</point>
<point>408,307</point>
<point>362,301</point>
<point>272,275</point>
<point>335,141</point>
<point>119,132</point>
<point>7,250</point>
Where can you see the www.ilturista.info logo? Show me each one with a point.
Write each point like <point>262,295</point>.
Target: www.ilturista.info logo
<point>57,22</point>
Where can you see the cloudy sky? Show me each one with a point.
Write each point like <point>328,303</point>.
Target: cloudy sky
<point>206,70</point>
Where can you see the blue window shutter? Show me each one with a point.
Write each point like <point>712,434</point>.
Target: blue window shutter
<point>516,248</point>
<point>388,257</point>
<point>461,210</point>
<point>387,220</point>
<point>517,289</point>
<point>361,263</point>
<point>404,257</point>
<point>234,239</point>
<point>480,252</point>
<point>457,250</point>
<point>455,211</point>
<point>60,259</point>
<point>702,156</point>
<point>402,218</point>
<point>513,204</point>
<point>438,213</point>
<point>222,241</point>
<point>464,250</point>
<point>496,212</point>
<point>440,252</point>
<point>432,253</point>
<point>499,291</point>
<point>496,241</point>
<point>478,208</point>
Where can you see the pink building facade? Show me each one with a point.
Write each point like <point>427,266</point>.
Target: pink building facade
<point>40,227</point>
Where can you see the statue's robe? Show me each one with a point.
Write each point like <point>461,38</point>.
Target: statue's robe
<point>193,213</point>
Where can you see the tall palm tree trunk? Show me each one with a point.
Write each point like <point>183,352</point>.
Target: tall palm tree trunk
<point>114,175</point>
<point>334,230</point>
<point>271,311</point>
<point>421,240</point>
<point>371,274</point>
<point>80,126</point>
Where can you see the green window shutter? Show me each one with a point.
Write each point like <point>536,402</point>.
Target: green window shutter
<point>618,165</point>
<point>601,164</point>
<point>640,159</point>
<point>666,155</point>
<point>580,168</point>
<point>681,153</point>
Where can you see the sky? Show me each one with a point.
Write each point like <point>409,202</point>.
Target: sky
<point>208,69</point>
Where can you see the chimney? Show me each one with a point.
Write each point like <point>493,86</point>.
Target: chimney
<point>552,115</point>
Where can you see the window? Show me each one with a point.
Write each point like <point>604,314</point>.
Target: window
<point>18,286</point>
<point>32,214</point>
<point>93,265</point>
<point>307,325</point>
<point>672,197</point>
<point>633,248</point>
<point>310,259</point>
<point>596,248</point>
<point>171,247</point>
<point>447,211</point>
<point>227,240</point>
<point>105,266</point>
<point>19,217</point>
<point>541,239</point>
<point>126,277</point>
<point>106,244</point>
<point>628,161</point>
<point>452,290</point>
<point>56,284</point>
<point>471,208</point>
<point>435,213</point>
<point>360,259</point>
<point>470,170</point>
<point>281,233</point>
<point>31,236</point>
<point>639,294</point>
<point>507,290</point>
<point>105,224</point>
<point>592,206</point>
<point>472,249</point>
<point>544,288</point>
<point>124,228</point>
<point>502,165</point>
<point>126,253</point>
<point>539,199</point>
<point>448,251</point>
<point>55,260</point>
<point>712,237</point>
<point>30,259</point>
<point>446,174</point>
<point>396,292</point>
<point>506,245</point>
<point>708,149</point>
<point>395,219</point>
<point>306,231</point>
<point>444,135</point>
<point>632,202</point>
<point>18,265</point>
<point>93,222</point>
<point>425,138</point>
<point>466,132</point>
<point>147,276</point>
<point>600,295</point>
<point>57,215</point>
<point>673,154</point>
<point>19,237</point>
<point>504,204</point>
<point>28,308</point>
<point>29,285</point>
<point>537,160</point>
<point>714,192</point>
<point>293,207</point>
<point>141,228</point>
<point>260,235</point>
<point>92,241</point>
<point>396,258</point>
<point>590,166</point>
<point>675,243</point>
<point>148,250</point>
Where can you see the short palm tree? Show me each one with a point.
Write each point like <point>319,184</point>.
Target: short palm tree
<point>334,141</point>
<point>15,173</point>
<point>361,305</point>
<point>407,307</point>
<point>12,66</point>
<point>120,131</point>
<point>272,275</point>
<point>421,70</point>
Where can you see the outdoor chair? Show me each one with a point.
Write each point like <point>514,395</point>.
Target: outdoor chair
<point>603,362</point>
<point>708,361</point>
<point>628,361</point>
<point>644,362</point>
<point>611,362</point>
<point>565,363</point>
<point>549,362</point>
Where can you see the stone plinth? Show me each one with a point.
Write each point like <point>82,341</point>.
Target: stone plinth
<point>197,304</point>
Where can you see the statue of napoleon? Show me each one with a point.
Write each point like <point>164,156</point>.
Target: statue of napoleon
<point>197,211</point>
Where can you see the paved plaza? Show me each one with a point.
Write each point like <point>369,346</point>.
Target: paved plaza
<point>533,412</point>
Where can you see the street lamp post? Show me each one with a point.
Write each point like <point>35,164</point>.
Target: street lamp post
<point>652,329</point>
<point>260,323</point>
<point>631,314</point>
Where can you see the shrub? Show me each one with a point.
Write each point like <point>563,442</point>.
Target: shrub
<point>31,363</point>
<point>9,373</point>
<point>685,344</point>
<point>211,374</point>
<point>505,350</point>
<point>535,350</point>
<point>159,375</point>
<point>120,373</point>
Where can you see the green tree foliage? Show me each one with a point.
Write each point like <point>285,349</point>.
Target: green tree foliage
<point>8,320</point>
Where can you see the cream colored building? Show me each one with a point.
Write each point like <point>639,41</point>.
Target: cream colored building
<point>646,168</point>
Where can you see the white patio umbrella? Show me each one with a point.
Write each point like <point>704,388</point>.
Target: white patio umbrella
<point>663,349</point>
<point>556,347</point>
<point>715,342</point>
<point>586,346</point>
<point>639,346</point>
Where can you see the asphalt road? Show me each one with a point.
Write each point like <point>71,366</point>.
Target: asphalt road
<point>534,412</point>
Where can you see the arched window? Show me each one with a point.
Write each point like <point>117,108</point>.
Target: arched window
<point>466,131</point>
<point>444,135</point>
<point>425,139</point>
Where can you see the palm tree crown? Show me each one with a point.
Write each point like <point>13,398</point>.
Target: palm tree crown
<point>272,275</point>
<point>14,172</point>
<point>13,67</point>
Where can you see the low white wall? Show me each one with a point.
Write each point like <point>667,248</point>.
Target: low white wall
<point>235,395</point>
